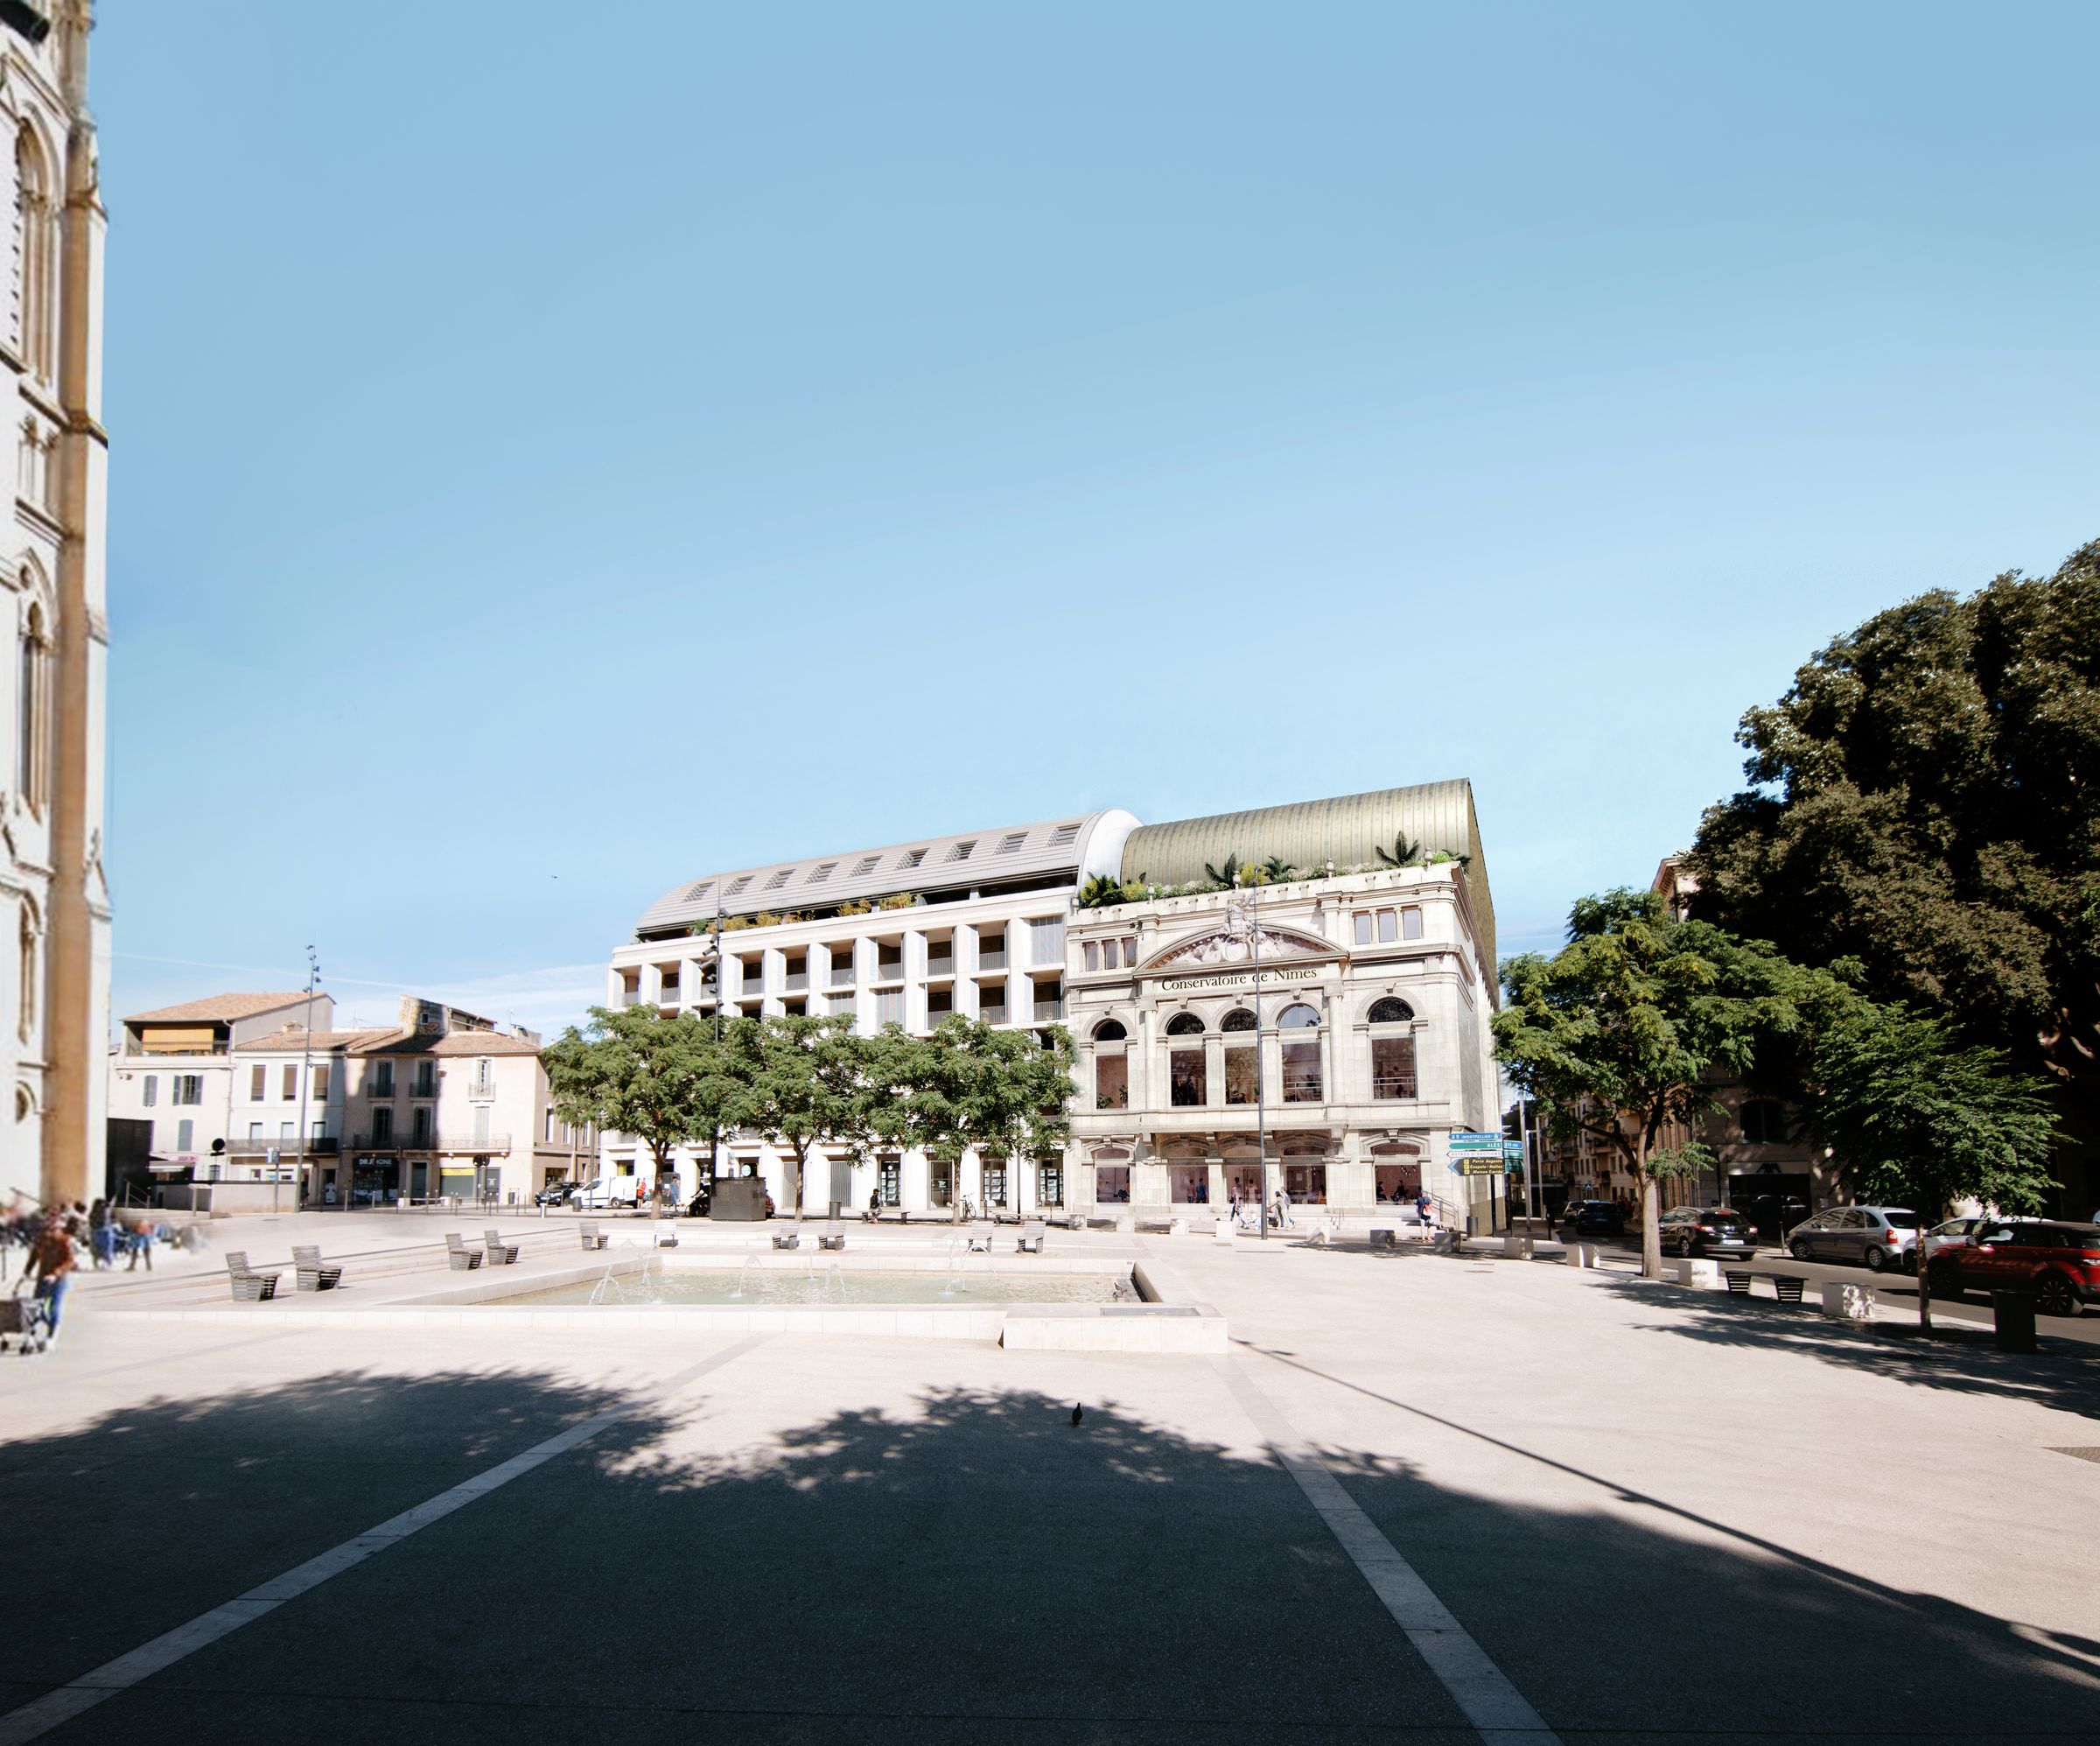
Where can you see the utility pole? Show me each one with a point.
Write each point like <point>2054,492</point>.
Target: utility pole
<point>1253,917</point>
<point>276,1172</point>
<point>714,1138</point>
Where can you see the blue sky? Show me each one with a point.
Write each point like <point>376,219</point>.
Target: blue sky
<point>552,462</point>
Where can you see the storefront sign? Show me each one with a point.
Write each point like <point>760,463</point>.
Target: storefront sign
<point>1474,1165</point>
<point>1236,978</point>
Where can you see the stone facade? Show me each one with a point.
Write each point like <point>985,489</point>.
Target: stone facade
<point>52,581</point>
<point>1368,1021</point>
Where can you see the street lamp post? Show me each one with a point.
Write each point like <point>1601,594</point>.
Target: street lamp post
<point>313,976</point>
<point>1250,917</point>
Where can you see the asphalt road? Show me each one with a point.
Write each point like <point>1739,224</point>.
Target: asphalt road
<point>1664,1515</point>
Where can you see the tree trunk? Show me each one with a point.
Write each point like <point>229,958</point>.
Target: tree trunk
<point>799,1167</point>
<point>1651,1235</point>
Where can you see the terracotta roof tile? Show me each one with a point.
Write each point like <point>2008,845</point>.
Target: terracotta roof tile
<point>222,1008</point>
<point>291,1038</point>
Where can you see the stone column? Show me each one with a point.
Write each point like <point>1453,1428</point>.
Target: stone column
<point>76,983</point>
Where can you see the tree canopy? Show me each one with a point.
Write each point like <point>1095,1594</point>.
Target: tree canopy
<point>1630,1025</point>
<point>1925,799</point>
<point>1918,1120</point>
<point>801,1082</point>
<point>664,1080</point>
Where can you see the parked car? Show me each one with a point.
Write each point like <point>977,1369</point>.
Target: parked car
<point>555,1194</point>
<point>1705,1230</point>
<point>604,1192</point>
<point>1593,1218</point>
<point>2059,1263</point>
<point>1950,1235</point>
<point>1878,1237</point>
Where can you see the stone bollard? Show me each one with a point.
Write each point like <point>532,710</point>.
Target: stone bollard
<point>1701,1275</point>
<point>1845,1303</point>
<point>1220,1231</point>
<point>1126,1223</point>
<point>1516,1245</point>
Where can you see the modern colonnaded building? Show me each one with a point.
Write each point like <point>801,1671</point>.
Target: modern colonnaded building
<point>52,898</point>
<point>1371,1040</point>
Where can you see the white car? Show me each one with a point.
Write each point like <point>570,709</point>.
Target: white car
<point>1951,1235</point>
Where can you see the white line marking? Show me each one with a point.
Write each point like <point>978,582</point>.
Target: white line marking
<point>1496,1708</point>
<point>44,1714</point>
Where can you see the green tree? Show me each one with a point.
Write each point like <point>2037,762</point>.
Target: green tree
<point>1004,1092</point>
<point>1917,1121</point>
<point>1926,800</point>
<point>1629,1026</point>
<point>664,1082</point>
<point>803,1082</point>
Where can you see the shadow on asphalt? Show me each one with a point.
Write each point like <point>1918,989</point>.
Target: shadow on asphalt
<point>974,1569</point>
<point>1959,1356</point>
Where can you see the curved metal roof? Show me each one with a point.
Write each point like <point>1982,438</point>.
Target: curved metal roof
<point>1348,831</point>
<point>1077,845</point>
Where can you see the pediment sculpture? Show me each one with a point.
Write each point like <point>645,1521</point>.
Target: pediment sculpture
<point>1229,948</point>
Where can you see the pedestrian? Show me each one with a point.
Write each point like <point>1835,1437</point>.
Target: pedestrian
<point>51,1260</point>
<point>874,1205</point>
<point>138,1244</point>
<point>101,1236</point>
<point>1283,1210</point>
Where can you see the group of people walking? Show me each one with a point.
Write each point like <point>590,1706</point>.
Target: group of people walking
<point>51,1240</point>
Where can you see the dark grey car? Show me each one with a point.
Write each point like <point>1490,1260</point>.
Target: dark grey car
<point>1877,1238</point>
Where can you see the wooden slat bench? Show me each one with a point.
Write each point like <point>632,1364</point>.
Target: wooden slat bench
<point>249,1285</point>
<point>464,1260</point>
<point>786,1239</point>
<point>1786,1286</point>
<point>594,1238</point>
<point>1031,1238</point>
<point>314,1273</point>
<point>501,1254</point>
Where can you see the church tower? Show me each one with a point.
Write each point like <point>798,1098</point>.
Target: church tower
<point>55,908</point>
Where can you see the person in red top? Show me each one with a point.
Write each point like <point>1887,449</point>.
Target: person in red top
<point>51,1259</point>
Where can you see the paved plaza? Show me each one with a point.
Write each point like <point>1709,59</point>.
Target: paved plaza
<point>1418,1490</point>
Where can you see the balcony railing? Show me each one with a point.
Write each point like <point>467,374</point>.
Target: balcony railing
<point>669,997</point>
<point>942,965</point>
<point>318,1145</point>
<point>841,976</point>
<point>411,1141</point>
<point>991,960</point>
<point>890,970</point>
<point>992,1015</point>
<point>796,981</point>
<point>1048,1010</point>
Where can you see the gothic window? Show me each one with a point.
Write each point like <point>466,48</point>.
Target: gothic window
<point>34,220</point>
<point>1298,1018</point>
<point>1185,1024</point>
<point>1238,1020</point>
<point>1109,1030</point>
<point>1390,1012</point>
<point>26,977</point>
<point>32,750</point>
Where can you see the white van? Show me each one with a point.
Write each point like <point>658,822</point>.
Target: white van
<point>605,1192</point>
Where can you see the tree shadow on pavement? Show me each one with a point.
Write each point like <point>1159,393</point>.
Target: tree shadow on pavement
<point>971,1567</point>
<point>1960,1357</point>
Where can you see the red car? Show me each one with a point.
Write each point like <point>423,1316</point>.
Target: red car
<point>2060,1264</point>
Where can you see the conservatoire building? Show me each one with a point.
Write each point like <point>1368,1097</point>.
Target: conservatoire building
<point>53,899</point>
<point>1316,980</point>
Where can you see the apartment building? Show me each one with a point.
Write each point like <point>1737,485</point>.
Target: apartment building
<point>176,1069</point>
<point>908,933</point>
<point>446,1104</point>
<point>1363,1040</point>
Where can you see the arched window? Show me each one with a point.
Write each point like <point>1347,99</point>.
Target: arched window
<point>33,252</point>
<point>1185,1024</point>
<point>1303,1080</point>
<point>1390,1012</point>
<point>32,750</point>
<point>1111,1066</point>
<point>1764,1122</point>
<point>27,976</point>
<point>1238,1020</point>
